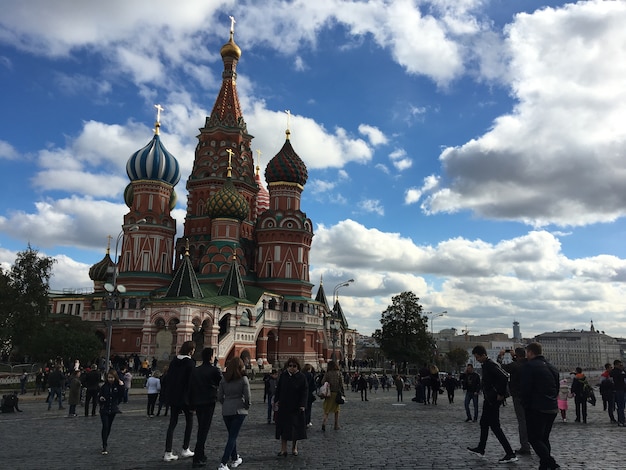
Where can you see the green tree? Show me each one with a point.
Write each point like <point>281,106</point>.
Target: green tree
<point>24,307</point>
<point>404,335</point>
<point>458,358</point>
<point>65,336</point>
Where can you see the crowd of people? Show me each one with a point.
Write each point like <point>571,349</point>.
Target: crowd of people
<point>534,386</point>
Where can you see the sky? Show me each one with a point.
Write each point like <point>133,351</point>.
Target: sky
<point>470,151</point>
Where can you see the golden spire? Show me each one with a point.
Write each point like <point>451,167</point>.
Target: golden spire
<point>288,132</point>
<point>258,168</point>
<point>186,246</point>
<point>157,124</point>
<point>230,168</point>
<point>109,238</point>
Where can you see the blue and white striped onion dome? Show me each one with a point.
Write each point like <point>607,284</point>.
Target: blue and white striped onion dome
<point>153,162</point>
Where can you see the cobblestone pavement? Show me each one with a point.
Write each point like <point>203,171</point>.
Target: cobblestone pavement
<point>379,433</point>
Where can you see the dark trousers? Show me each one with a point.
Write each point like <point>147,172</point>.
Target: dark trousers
<point>91,396</point>
<point>490,419</point>
<point>363,394</point>
<point>233,425</point>
<point>619,404</point>
<point>581,407</point>
<point>107,422</point>
<point>450,395</point>
<point>152,398</point>
<point>539,425</point>
<point>204,413</point>
<point>169,437</point>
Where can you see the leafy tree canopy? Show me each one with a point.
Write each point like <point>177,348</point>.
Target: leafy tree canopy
<point>404,334</point>
<point>458,358</point>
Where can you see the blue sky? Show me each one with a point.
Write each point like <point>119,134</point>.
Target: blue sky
<point>470,151</point>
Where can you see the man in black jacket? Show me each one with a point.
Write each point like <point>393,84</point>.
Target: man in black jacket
<point>494,384</point>
<point>540,388</point>
<point>203,394</point>
<point>514,369</point>
<point>470,381</point>
<point>91,382</point>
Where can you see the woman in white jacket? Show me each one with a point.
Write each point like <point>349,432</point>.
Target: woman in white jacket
<point>153,384</point>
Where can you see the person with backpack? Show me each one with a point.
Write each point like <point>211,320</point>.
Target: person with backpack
<point>580,390</point>
<point>494,386</point>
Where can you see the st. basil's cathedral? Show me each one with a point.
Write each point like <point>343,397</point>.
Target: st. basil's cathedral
<point>238,278</point>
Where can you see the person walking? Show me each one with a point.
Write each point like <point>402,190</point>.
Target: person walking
<point>539,392</point>
<point>607,392</point>
<point>435,383</point>
<point>270,391</point>
<point>310,380</point>
<point>177,396</point>
<point>56,383</point>
<point>39,382</point>
<point>579,386</point>
<point>619,384</point>
<point>234,395</point>
<point>494,385</point>
<point>361,386</point>
<point>450,384</point>
<point>91,382</point>
<point>399,384</point>
<point>470,382</point>
<point>109,396</point>
<point>330,405</point>
<point>562,399</point>
<point>514,369</point>
<point>153,387</point>
<point>162,400</point>
<point>23,382</point>
<point>128,382</point>
<point>292,394</point>
<point>74,396</point>
<point>205,380</point>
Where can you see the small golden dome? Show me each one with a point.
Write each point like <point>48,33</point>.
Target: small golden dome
<point>230,49</point>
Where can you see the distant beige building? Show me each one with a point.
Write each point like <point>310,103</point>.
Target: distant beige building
<point>578,348</point>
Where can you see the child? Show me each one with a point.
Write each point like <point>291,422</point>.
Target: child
<point>564,394</point>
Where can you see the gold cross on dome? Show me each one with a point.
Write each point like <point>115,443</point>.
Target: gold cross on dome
<point>288,118</point>
<point>159,108</point>
<point>232,24</point>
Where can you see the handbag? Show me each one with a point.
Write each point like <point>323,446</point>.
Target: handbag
<point>324,390</point>
<point>339,398</point>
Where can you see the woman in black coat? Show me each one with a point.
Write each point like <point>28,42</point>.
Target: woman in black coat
<point>291,398</point>
<point>109,396</point>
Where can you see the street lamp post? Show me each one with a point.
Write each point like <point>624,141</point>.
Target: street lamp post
<point>432,317</point>
<point>114,289</point>
<point>335,327</point>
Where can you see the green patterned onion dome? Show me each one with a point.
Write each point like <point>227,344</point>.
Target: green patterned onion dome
<point>228,203</point>
<point>100,270</point>
<point>286,166</point>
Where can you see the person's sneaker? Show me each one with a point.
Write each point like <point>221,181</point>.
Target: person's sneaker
<point>508,458</point>
<point>104,451</point>
<point>169,456</point>
<point>237,462</point>
<point>223,466</point>
<point>522,451</point>
<point>476,451</point>
<point>186,453</point>
<point>468,420</point>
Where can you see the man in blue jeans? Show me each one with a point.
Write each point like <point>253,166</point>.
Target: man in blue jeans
<point>470,381</point>
<point>619,378</point>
